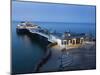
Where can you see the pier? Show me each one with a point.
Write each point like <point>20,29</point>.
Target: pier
<point>51,38</point>
<point>35,29</point>
<point>66,40</point>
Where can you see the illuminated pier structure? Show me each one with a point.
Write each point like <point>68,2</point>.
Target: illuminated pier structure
<point>63,40</point>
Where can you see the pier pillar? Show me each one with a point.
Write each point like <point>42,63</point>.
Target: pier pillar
<point>81,40</point>
<point>69,42</point>
<point>73,41</point>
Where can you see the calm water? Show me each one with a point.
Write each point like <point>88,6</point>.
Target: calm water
<point>27,52</point>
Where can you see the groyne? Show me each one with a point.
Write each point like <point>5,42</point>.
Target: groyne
<point>45,57</point>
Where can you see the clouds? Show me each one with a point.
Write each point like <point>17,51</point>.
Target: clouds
<point>52,12</point>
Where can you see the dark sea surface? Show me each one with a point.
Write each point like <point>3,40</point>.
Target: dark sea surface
<point>26,52</point>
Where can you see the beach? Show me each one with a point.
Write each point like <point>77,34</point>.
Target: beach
<point>76,59</point>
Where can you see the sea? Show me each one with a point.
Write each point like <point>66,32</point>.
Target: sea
<point>26,52</point>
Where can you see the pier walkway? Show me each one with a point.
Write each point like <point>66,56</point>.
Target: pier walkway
<point>51,38</point>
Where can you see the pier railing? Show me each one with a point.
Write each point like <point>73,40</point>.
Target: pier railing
<point>51,38</point>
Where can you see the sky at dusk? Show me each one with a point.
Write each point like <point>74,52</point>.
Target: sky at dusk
<point>47,12</point>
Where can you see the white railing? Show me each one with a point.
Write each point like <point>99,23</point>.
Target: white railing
<point>50,37</point>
